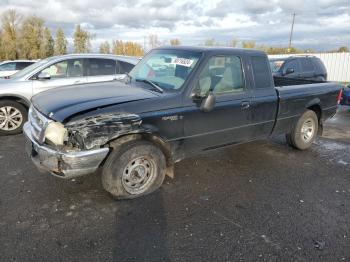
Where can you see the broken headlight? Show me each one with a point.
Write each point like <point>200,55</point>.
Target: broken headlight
<point>56,133</point>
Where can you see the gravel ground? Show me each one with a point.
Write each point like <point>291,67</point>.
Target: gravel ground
<point>261,201</point>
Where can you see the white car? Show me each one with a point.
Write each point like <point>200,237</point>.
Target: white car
<point>8,68</point>
<point>54,72</point>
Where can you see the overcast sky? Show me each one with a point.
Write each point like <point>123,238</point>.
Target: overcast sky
<point>320,24</point>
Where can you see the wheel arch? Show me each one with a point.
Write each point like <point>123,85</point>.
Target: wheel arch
<point>155,139</point>
<point>316,107</point>
<point>20,99</point>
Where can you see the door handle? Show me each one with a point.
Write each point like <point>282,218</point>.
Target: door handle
<point>77,82</point>
<point>245,105</point>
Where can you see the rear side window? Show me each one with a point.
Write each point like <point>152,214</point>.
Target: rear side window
<point>306,65</point>
<point>75,68</point>
<point>124,67</point>
<point>8,66</point>
<point>262,75</point>
<point>319,65</point>
<point>293,64</point>
<point>22,65</point>
<point>100,67</point>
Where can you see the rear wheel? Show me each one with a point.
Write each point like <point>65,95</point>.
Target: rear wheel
<point>13,115</point>
<point>304,132</point>
<point>134,169</point>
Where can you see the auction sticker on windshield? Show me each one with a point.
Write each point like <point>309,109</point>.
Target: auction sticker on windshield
<point>182,61</point>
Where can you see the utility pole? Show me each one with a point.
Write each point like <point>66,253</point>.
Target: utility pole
<point>291,33</point>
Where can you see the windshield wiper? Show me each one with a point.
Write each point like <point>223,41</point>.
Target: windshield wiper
<point>159,89</point>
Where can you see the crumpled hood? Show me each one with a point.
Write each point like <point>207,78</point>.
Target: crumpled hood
<point>63,102</point>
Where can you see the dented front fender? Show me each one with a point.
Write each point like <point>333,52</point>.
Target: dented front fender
<point>95,131</point>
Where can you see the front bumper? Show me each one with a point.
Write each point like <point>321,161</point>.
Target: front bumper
<point>61,163</point>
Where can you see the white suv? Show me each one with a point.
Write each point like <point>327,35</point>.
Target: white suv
<point>53,72</point>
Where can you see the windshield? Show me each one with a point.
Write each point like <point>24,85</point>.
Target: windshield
<point>276,65</point>
<point>28,69</point>
<point>168,69</point>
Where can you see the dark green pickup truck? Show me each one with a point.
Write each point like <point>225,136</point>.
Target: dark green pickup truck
<point>176,102</point>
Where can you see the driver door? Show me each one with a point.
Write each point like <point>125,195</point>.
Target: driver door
<point>62,73</point>
<point>228,123</point>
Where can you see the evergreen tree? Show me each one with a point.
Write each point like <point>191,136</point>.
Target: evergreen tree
<point>60,43</point>
<point>47,47</point>
<point>81,40</point>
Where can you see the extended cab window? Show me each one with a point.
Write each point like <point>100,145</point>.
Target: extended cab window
<point>262,76</point>
<point>222,74</point>
<point>101,67</point>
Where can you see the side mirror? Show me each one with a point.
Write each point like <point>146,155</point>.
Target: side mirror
<point>196,95</point>
<point>208,103</point>
<point>289,71</point>
<point>44,76</point>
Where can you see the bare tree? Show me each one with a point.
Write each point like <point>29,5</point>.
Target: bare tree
<point>153,41</point>
<point>175,42</point>
<point>209,42</point>
<point>127,48</point>
<point>248,44</point>
<point>233,43</point>
<point>343,49</point>
<point>105,48</point>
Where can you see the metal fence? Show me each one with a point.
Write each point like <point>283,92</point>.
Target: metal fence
<point>337,64</point>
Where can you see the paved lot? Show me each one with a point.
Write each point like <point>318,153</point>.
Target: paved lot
<point>257,202</point>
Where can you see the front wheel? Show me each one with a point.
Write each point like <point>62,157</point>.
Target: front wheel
<point>134,169</point>
<point>13,115</point>
<point>304,132</point>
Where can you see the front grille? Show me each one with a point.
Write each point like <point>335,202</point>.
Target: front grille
<point>38,123</point>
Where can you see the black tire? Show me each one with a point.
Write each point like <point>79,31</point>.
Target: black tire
<point>23,112</point>
<point>119,165</point>
<point>303,140</point>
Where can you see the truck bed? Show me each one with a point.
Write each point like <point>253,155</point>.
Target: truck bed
<point>294,99</point>
<point>286,81</point>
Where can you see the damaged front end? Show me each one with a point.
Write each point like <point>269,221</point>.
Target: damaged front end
<point>77,148</point>
<point>96,131</point>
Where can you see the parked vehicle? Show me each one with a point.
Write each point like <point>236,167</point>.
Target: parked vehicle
<point>136,131</point>
<point>8,68</point>
<point>304,67</point>
<point>345,100</point>
<point>16,92</point>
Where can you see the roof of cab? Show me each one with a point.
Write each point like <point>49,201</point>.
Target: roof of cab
<point>206,49</point>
